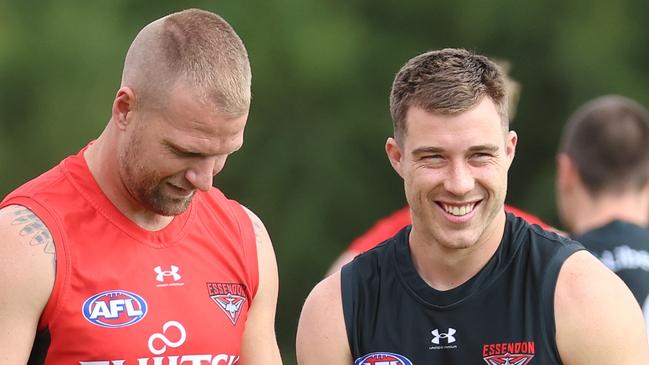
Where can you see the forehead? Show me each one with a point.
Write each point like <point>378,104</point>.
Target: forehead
<point>188,121</point>
<point>479,125</point>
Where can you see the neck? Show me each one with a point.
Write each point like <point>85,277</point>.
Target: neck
<point>445,268</point>
<point>101,157</point>
<point>631,207</point>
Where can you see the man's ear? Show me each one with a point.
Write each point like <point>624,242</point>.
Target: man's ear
<point>395,154</point>
<point>510,146</point>
<point>566,173</point>
<point>123,105</point>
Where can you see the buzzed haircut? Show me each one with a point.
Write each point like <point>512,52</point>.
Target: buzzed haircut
<point>608,140</point>
<point>194,47</point>
<point>449,81</point>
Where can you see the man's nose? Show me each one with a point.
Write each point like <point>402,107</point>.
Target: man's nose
<point>460,180</point>
<point>202,173</point>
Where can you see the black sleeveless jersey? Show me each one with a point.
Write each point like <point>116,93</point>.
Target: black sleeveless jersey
<point>503,315</point>
<point>624,248</point>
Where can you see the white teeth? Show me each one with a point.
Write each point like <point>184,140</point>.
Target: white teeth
<point>459,210</point>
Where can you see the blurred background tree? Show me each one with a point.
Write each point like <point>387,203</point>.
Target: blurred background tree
<point>313,165</point>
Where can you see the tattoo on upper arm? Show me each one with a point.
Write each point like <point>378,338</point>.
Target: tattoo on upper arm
<point>259,228</point>
<point>32,226</point>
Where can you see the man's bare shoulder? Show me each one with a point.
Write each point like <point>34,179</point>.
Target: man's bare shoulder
<point>27,271</point>
<point>321,335</point>
<point>326,292</point>
<point>21,226</point>
<point>259,340</point>
<point>590,300</point>
<point>27,248</point>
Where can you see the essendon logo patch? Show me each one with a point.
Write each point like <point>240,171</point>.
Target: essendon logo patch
<point>230,297</point>
<point>509,353</point>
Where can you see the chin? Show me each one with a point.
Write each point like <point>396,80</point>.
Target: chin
<point>461,245</point>
<point>169,206</point>
<point>459,242</point>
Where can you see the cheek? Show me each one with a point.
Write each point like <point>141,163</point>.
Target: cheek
<point>493,176</point>
<point>219,165</point>
<point>422,181</point>
<point>169,170</point>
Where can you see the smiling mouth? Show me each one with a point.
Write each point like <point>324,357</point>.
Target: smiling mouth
<point>459,210</point>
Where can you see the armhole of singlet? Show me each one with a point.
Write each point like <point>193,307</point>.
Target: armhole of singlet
<point>347,299</point>
<point>549,289</point>
<point>249,245</point>
<point>62,270</point>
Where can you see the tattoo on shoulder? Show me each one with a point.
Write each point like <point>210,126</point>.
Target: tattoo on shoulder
<point>33,227</point>
<point>259,227</point>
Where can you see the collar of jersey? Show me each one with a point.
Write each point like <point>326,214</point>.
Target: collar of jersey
<point>449,299</point>
<point>79,174</point>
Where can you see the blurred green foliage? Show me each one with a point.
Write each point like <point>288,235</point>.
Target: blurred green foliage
<point>313,165</point>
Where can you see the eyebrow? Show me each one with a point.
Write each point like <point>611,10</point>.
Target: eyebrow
<point>433,149</point>
<point>430,149</point>
<point>183,150</point>
<point>484,147</point>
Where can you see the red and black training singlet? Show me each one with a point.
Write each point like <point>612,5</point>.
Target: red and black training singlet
<point>126,296</point>
<point>502,315</point>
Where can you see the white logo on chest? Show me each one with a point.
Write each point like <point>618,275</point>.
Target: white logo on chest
<point>448,336</point>
<point>165,340</point>
<point>162,274</point>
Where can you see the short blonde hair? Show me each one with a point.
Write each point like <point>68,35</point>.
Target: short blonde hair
<point>196,47</point>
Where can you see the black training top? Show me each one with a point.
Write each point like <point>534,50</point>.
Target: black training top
<point>503,315</point>
<point>624,248</point>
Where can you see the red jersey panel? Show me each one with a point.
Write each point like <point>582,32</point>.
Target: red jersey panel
<point>124,295</point>
<point>390,225</point>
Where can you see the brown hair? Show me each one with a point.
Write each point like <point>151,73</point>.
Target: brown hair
<point>608,140</point>
<point>196,47</point>
<point>447,81</point>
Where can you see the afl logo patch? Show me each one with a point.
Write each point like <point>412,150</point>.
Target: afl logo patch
<point>114,309</point>
<point>383,358</point>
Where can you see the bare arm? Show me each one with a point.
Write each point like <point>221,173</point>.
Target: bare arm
<point>321,334</point>
<point>597,318</point>
<point>259,341</point>
<point>27,270</point>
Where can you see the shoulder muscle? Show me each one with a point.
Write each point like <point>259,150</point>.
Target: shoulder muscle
<point>27,271</point>
<point>321,334</point>
<point>597,318</point>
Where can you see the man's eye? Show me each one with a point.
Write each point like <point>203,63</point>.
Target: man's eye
<point>188,154</point>
<point>481,155</point>
<point>183,154</point>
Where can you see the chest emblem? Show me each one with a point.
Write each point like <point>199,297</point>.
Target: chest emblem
<point>448,336</point>
<point>510,353</point>
<point>114,309</point>
<point>229,297</point>
<point>382,358</point>
<point>508,359</point>
<point>170,277</point>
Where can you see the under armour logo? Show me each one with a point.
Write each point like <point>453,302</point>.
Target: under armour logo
<point>161,274</point>
<point>448,336</point>
<point>157,337</point>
